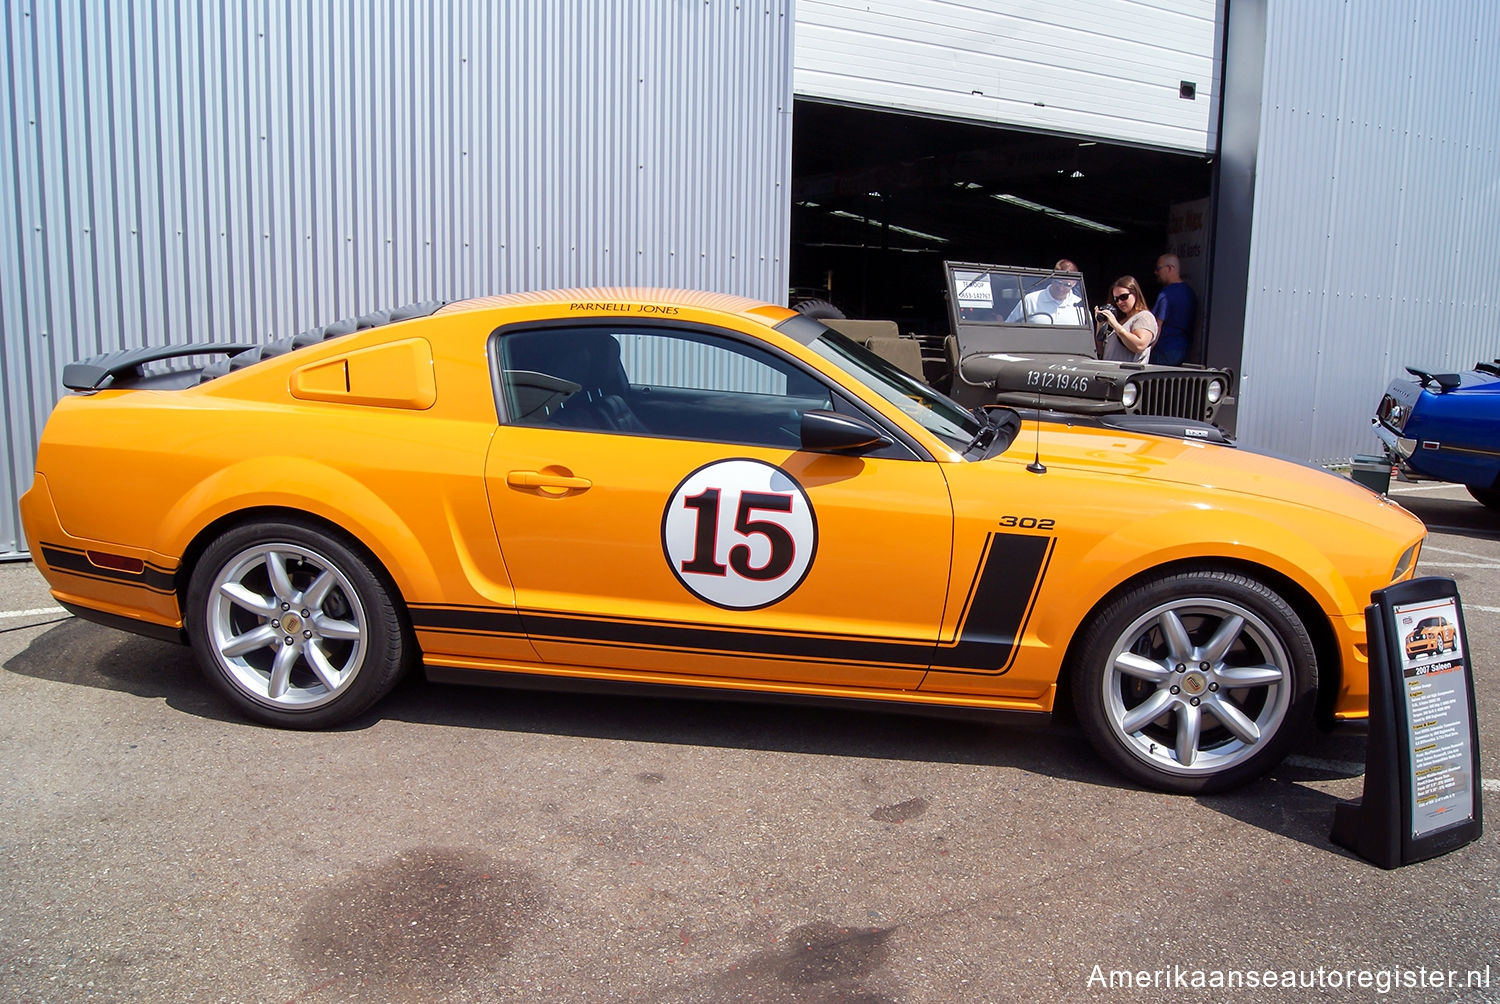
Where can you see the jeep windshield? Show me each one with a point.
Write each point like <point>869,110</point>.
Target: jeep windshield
<point>998,308</point>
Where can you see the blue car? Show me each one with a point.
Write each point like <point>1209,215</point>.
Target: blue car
<point>1446,427</point>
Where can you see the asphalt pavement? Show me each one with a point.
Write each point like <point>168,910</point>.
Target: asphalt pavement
<point>461,844</point>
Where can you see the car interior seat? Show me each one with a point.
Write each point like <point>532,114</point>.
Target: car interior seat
<point>590,360</point>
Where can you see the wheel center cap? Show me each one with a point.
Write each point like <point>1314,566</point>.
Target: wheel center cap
<point>1194,683</point>
<point>291,623</point>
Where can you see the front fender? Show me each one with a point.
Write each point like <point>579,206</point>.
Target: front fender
<point>1204,536</point>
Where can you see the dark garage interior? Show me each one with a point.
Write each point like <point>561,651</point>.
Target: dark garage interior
<point>881,199</point>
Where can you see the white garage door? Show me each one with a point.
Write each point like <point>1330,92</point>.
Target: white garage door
<point>1107,69</point>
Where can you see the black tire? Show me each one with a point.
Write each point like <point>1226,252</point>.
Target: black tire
<point>820,309</point>
<point>1487,497</point>
<point>1206,735</point>
<point>297,628</point>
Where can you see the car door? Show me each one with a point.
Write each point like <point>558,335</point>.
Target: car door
<point>656,514</point>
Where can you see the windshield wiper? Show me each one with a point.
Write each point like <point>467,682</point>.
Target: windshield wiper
<point>988,426</point>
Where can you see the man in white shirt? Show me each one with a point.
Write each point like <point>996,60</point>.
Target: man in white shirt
<point>1055,303</point>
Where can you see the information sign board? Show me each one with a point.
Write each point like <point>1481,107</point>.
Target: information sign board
<point>1422,779</point>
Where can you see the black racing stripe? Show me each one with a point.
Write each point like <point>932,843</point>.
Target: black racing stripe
<point>999,604</point>
<point>996,612</point>
<point>468,620</point>
<point>76,562</point>
<point>561,628</point>
<point>547,627</point>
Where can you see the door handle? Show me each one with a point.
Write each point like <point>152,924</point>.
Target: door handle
<point>537,479</point>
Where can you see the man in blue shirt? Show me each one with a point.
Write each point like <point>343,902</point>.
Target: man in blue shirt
<point>1176,309</point>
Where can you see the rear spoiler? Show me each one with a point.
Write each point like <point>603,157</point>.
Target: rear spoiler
<point>1444,381</point>
<point>91,374</point>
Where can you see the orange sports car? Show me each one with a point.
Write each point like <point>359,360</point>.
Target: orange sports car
<point>1431,636</point>
<point>638,487</point>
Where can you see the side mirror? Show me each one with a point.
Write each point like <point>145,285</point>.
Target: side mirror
<point>830,432</point>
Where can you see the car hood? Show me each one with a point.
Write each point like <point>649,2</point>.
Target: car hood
<point>1206,467</point>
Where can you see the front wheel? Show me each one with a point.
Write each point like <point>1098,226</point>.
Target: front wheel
<point>1196,681</point>
<point>295,627</point>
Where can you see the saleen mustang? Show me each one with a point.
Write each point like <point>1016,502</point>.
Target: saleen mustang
<point>637,486</point>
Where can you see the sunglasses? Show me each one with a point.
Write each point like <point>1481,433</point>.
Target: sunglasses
<point>1123,297</point>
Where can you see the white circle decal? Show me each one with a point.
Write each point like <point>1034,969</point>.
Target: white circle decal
<point>739,533</point>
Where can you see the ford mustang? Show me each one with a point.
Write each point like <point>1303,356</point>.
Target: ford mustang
<point>642,488</point>
<point>1432,636</point>
<point>1445,427</point>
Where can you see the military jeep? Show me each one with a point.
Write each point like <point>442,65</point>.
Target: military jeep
<point>1013,341</point>
<point>1026,338</point>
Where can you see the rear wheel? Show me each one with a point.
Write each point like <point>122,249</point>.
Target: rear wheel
<point>296,628</point>
<point>1487,497</point>
<point>1195,682</point>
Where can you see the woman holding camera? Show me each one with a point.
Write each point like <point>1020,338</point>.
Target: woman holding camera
<point>1128,326</point>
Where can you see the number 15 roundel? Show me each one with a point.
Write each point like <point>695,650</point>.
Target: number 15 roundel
<point>739,533</point>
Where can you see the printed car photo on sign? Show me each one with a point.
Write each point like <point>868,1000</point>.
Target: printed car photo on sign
<point>1430,636</point>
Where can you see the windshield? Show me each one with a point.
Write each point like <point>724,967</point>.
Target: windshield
<point>937,413</point>
<point>1002,308</point>
<point>987,295</point>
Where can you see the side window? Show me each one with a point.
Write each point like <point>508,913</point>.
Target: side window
<point>677,384</point>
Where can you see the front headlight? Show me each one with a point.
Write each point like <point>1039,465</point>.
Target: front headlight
<point>1129,394</point>
<point>1215,391</point>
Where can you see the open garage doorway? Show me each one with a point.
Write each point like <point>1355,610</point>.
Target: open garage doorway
<point>881,199</point>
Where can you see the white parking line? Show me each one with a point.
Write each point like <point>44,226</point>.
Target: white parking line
<point>1480,560</point>
<point>1409,489</point>
<point>39,611</point>
<point>1481,609</point>
<point>1462,554</point>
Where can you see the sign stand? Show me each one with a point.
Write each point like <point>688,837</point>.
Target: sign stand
<point>1422,775</point>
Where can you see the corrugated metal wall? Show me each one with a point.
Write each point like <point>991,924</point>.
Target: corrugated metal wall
<point>1106,69</point>
<point>173,171</point>
<point>1376,235</point>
